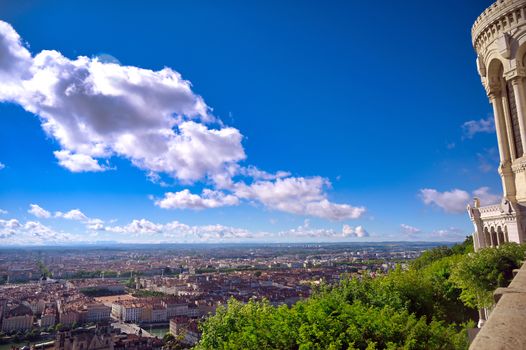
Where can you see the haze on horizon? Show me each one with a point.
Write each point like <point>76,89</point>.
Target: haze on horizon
<point>196,122</point>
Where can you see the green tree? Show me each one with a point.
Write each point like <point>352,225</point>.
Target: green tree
<point>479,274</point>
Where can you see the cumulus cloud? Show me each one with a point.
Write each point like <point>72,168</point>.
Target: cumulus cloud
<point>137,226</point>
<point>38,211</point>
<point>485,197</point>
<point>30,232</point>
<point>77,162</point>
<point>409,230</point>
<point>74,214</point>
<point>95,224</point>
<point>473,127</point>
<point>359,231</point>
<point>2,211</point>
<point>176,230</point>
<point>456,200</point>
<point>8,228</point>
<point>306,231</point>
<point>257,174</point>
<point>97,109</point>
<point>298,195</point>
<point>2,165</point>
<point>186,200</point>
<point>448,234</point>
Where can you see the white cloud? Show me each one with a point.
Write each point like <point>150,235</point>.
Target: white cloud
<point>473,127</point>
<point>141,226</point>
<point>77,162</point>
<point>312,233</point>
<point>96,109</point>
<point>485,197</point>
<point>29,233</point>
<point>8,228</point>
<point>95,224</point>
<point>448,234</point>
<point>456,201</point>
<point>186,200</point>
<point>177,231</point>
<point>298,195</point>
<point>359,231</point>
<point>74,214</point>
<point>38,211</point>
<point>409,230</point>
<point>257,174</point>
<point>2,165</point>
<point>2,212</point>
<point>38,229</point>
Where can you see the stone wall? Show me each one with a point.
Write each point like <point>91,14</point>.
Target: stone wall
<point>505,327</point>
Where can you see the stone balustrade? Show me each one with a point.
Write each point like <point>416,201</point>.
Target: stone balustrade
<point>489,209</point>
<point>504,329</point>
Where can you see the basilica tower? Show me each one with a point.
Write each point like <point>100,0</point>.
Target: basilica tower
<point>499,39</point>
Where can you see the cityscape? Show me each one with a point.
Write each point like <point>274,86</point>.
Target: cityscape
<point>153,290</point>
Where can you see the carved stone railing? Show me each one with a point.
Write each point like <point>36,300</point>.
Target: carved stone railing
<point>502,16</point>
<point>505,327</point>
<point>495,208</point>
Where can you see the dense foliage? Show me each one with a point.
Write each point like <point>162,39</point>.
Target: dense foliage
<point>426,306</point>
<point>478,275</point>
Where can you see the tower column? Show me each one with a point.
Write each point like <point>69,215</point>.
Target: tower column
<point>520,101</point>
<point>508,183</point>
<point>502,136</point>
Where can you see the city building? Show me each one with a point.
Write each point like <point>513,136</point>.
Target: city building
<point>95,313</point>
<point>19,318</point>
<point>186,329</point>
<point>48,318</point>
<point>499,39</point>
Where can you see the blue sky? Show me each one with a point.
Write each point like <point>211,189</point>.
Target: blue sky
<point>208,121</point>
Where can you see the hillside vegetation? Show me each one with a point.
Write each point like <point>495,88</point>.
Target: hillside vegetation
<point>427,306</point>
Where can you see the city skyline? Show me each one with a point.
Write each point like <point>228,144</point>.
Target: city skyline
<point>320,125</point>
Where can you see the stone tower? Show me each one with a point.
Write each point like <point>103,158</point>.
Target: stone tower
<point>499,39</point>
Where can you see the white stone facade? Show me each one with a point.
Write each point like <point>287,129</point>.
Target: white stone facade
<point>499,38</point>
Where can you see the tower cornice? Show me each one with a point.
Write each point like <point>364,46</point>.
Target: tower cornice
<point>499,18</point>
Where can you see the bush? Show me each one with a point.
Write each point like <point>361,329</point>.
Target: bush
<point>478,275</point>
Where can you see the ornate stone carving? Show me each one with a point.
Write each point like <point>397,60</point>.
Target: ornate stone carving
<point>501,17</point>
<point>518,166</point>
<point>503,45</point>
<point>505,206</point>
<point>481,67</point>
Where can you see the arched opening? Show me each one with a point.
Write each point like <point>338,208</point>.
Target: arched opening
<point>500,236</point>
<point>487,238</point>
<point>510,128</point>
<point>493,235</point>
